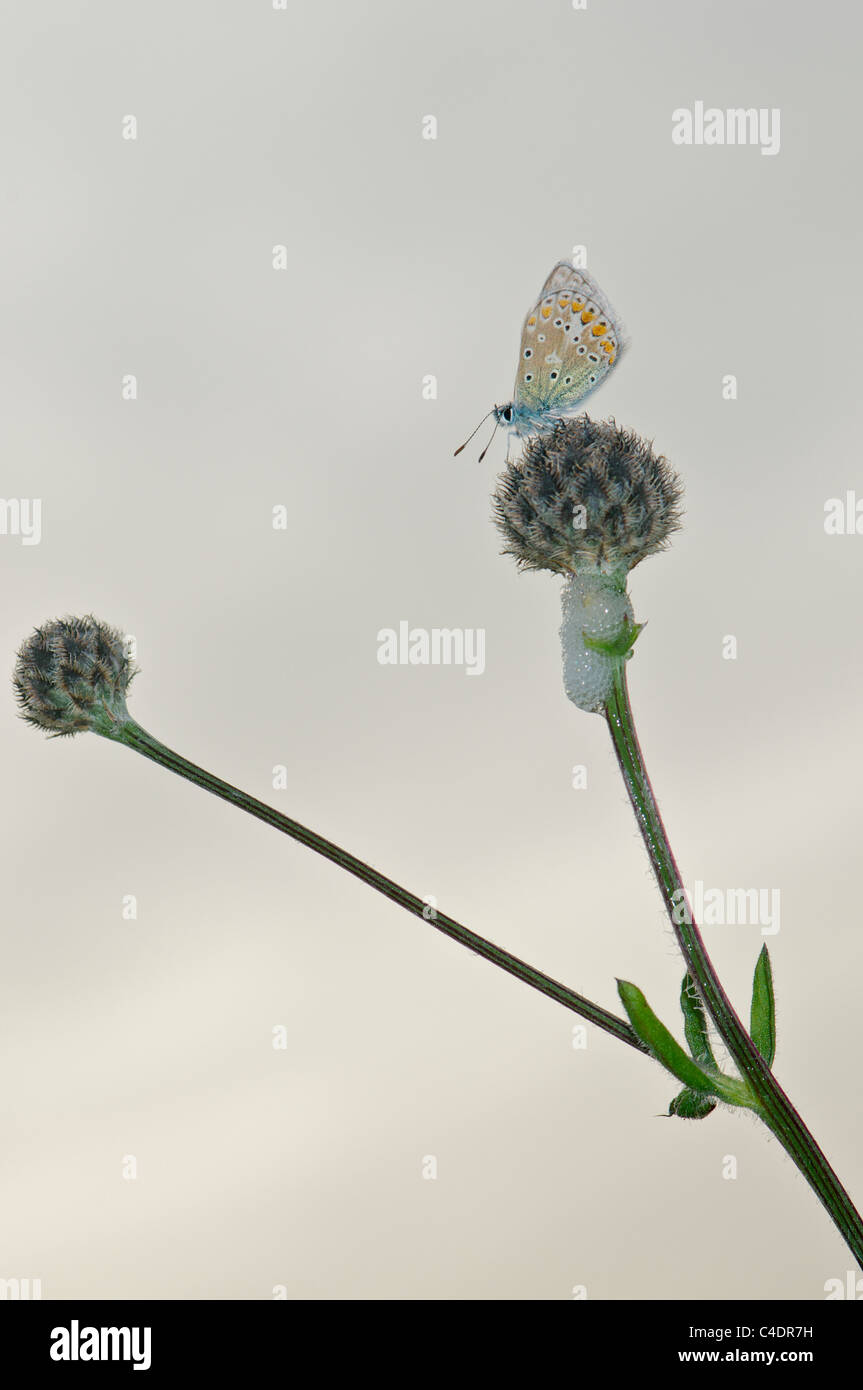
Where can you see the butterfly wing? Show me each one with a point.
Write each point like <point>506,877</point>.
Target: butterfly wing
<point>570,341</point>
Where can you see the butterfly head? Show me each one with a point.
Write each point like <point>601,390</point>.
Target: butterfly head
<point>521,419</point>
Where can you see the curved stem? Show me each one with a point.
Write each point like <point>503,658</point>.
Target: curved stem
<point>133,736</point>
<point>776,1109</point>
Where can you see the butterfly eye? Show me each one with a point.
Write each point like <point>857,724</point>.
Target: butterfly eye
<point>507,414</point>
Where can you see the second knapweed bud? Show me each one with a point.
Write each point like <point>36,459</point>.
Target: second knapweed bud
<point>71,676</point>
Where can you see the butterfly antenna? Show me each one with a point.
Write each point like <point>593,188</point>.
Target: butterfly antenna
<point>470,436</point>
<point>488,445</point>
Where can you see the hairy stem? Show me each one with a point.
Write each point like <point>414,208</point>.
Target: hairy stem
<point>775,1108</point>
<point>133,736</point>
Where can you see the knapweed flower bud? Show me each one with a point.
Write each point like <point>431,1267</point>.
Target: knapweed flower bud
<point>596,610</point>
<point>72,676</point>
<point>589,494</point>
<point>691,1105</point>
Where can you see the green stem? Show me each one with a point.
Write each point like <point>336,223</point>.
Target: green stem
<point>133,736</point>
<point>775,1108</point>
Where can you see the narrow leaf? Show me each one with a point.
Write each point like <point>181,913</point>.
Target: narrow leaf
<point>661,1043</point>
<point>763,1016</point>
<point>668,1051</point>
<point>695,1025</point>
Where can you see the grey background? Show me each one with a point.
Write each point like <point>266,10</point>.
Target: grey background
<point>303,1167</point>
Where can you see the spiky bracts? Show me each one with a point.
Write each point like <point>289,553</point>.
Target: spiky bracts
<point>588,494</point>
<point>71,676</point>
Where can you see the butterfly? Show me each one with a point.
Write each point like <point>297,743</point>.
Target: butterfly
<point>570,341</point>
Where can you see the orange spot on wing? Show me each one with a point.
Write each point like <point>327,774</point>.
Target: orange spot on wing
<point>546,313</point>
<point>587,315</point>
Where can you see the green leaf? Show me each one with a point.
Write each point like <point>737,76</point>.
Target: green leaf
<point>657,1037</point>
<point>695,1025</point>
<point>763,1016</point>
<point>621,645</point>
<point>689,1105</point>
<point>668,1051</point>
